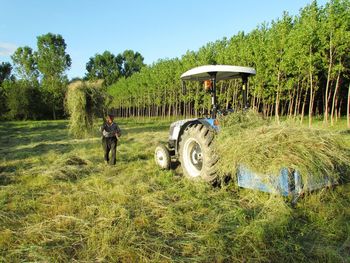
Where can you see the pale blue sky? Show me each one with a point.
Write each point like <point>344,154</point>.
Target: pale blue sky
<point>155,28</point>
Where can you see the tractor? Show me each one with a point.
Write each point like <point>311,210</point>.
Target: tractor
<point>190,140</point>
<point>191,143</point>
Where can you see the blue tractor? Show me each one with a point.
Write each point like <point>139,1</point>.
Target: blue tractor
<point>190,140</point>
<point>191,143</point>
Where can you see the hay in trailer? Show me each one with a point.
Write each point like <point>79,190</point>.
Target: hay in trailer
<point>263,147</point>
<point>85,100</point>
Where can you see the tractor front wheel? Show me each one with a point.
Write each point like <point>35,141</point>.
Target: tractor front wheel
<point>162,157</point>
<point>197,157</point>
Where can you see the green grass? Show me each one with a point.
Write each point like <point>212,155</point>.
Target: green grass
<point>60,203</point>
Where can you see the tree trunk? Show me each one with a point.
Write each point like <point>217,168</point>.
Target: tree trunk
<point>53,111</point>
<point>271,112</point>
<point>290,104</point>
<point>253,101</point>
<point>303,108</point>
<point>297,102</point>
<point>348,108</point>
<point>336,110</point>
<point>277,102</point>
<point>333,101</point>
<point>311,103</point>
<point>176,109</point>
<point>264,109</point>
<point>328,80</point>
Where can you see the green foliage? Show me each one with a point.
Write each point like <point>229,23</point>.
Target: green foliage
<point>52,58</point>
<point>40,81</point>
<point>53,61</point>
<point>25,63</point>
<point>5,75</point>
<point>292,57</point>
<point>105,66</point>
<point>110,67</point>
<point>3,102</point>
<point>22,97</point>
<point>5,71</point>
<point>85,101</point>
<point>132,62</point>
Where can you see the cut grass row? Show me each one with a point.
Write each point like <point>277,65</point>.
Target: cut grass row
<point>60,203</point>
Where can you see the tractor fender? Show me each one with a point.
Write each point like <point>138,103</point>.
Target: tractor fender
<point>188,123</point>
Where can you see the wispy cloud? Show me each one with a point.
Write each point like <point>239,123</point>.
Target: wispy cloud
<point>6,49</point>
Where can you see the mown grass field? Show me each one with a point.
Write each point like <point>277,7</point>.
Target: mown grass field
<point>60,203</point>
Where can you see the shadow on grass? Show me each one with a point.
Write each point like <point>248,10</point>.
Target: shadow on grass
<point>24,133</point>
<point>45,136</point>
<point>6,178</point>
<point>36,150</point>
<point>134,157</point>
<point>20,140</point>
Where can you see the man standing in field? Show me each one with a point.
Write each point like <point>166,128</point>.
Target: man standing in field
<point>110,135</point>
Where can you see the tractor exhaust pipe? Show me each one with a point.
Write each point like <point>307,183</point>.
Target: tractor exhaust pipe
<point>214,102</point>
<point>245,92</point>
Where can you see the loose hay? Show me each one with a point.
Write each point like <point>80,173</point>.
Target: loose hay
<point>75,160</point>
<point>70,168</point>
<point>266,148</point>
<point>84,102</point>
<point>135,212</point>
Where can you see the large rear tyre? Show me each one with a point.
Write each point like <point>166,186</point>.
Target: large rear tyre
<point>197,156</point>
<point>162,157</point>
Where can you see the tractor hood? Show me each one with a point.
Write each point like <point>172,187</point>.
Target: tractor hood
<point>222,72</point>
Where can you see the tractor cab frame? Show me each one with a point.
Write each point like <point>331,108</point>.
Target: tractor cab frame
<point>215,73</point>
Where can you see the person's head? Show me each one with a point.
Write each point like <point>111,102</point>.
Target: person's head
<point>208,85</point>
<point>110,118</point>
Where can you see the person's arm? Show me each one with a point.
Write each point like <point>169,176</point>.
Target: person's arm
<point>118,131</point>
<point>105,133</point>
<point>102,128</point>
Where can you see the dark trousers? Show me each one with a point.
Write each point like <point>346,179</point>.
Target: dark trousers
<point>109,144</point>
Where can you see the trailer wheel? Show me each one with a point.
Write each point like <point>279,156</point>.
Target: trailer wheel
<point>197,157</point>
<point>162,157</point>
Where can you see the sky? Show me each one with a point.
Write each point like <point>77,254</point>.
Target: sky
<point>158,29</point>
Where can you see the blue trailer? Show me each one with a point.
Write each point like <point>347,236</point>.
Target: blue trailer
<point>288,182</point>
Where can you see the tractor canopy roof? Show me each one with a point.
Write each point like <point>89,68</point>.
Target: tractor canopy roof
<point>222,72</point>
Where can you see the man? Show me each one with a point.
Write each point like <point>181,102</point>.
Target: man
<point>110,135</point>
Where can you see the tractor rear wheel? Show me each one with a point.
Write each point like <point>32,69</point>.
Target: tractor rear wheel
<point>197,156</point>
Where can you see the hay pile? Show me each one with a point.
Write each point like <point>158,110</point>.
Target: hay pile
<point>84,102</point>
<point>246,138</point>
<point>70,168</point>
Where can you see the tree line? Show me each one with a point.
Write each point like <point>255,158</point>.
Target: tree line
<point>34,86</point>
<point>302,65</point>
